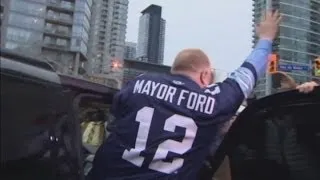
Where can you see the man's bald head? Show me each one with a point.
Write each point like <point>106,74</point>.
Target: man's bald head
<point>195,64</point>
<point>190,60</point>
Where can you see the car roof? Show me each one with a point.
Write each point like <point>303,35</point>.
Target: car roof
<point>9,54</point>
<point>281,99</point>
<point>86,85</point>
<point>16,68</point>
<point>21,66</point>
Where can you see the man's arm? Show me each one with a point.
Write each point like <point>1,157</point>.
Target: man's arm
<point>255,65</point>
<point>241,82</point>
<point>253,68</point>
<point>121,97</point>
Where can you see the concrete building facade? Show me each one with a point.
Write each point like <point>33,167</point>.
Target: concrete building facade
<point>130,51</point>
<point>108,33</point>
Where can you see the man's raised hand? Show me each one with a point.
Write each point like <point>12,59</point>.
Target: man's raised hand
<point>269,26</point>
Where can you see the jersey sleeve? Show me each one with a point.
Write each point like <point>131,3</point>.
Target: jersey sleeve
<point>253,68</point>
<point>120,98</point>
<point>239,85</point>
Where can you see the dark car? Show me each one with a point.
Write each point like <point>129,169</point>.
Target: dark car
<point>277,137</point>
<point>41,117</point>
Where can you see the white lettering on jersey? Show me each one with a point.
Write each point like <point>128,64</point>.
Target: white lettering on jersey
<point>170,93</point>
<point>138,86</point>
<point>193,100</point>
<point>158,163</point>
<point>209,105</point>
<point>213,92</point>
<point>154,87</point>
<point>146,88</point>
<point>181,96</point>
<point>201,103</point>
<point>162,91</point>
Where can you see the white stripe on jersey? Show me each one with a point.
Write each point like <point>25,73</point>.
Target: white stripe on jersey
<point>245,78</point>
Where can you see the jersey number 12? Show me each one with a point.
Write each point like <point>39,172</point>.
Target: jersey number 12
<point>144,117</point>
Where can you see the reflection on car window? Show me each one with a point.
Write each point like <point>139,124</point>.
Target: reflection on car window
<point>34,130</point>
<point>280,145</point>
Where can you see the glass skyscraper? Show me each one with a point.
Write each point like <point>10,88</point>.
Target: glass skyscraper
<point>52,30</point>
<point>151,37</point>
<point>299,37</point>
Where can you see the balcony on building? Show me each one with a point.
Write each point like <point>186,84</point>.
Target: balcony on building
<point>57,31</point>
<point>56,44</point>
<point>61,6</point>
<point>124,3</point>
<point>55,17</point>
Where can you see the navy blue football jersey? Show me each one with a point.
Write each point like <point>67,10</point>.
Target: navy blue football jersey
<point>164,125</point>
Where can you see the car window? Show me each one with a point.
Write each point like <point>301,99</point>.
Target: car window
<point>94,117</point>
<point>36,131</point>
<point>282,143</point>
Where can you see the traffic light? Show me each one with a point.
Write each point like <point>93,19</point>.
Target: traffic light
<point>317,67</point>
<point>273,63</point>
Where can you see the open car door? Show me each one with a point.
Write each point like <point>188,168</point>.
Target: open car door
<point>277,137</point>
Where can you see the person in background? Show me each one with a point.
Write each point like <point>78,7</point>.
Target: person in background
<point>287,83</point>
<point>307,87</point>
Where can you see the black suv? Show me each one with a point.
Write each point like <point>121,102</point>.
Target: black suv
<point>41,113</point>
<point>277,137</point>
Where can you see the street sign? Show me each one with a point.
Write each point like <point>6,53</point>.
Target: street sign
<point>293,67</point>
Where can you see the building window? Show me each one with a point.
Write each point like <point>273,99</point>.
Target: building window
<point>83,7</point>
<point>83,48</point>
<point>60,16</point>
<point>67,4</point>
<point>11,45</point>
<point>26,21</point>
<point>81,19</point>
<point>79,45</point>
<point>23,36</point>
<point>79,31</point>
<point>27,7</point>
<point>62,42</point>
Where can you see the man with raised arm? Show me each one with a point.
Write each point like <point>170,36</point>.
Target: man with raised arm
<point>164,124</point>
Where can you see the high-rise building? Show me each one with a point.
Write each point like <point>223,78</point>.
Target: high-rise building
<point>298,42</point>
<point>151,37</point>
<point>130,51</point>
<point>1,12</point>
<point>53,30</point>
<point>108,32</point>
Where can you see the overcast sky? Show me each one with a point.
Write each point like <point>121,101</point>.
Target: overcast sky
<point>222,28</point>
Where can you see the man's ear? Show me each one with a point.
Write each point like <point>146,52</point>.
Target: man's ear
<point>213,77</point>
<point>203,78</point>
